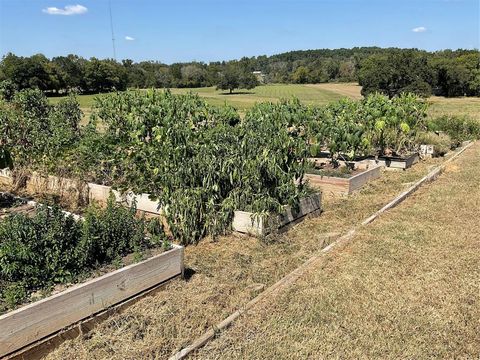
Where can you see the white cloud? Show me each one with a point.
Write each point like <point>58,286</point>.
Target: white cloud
<point>67,10</point>
<point>129,38</point>
<point>419,29</point>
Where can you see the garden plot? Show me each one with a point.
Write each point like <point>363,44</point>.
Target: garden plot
<point>225,275</point>
<point>343,180</point>
<point>44,250</point>
<point>395,162</point>
<point>257,225</point>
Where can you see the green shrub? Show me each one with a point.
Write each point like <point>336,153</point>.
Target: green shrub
<point>393,123</point>
<point>110,233</point>
<point>36,133</point>
<point>442,143</point>
<point>43,248</point>
<point>12,295</point>
<point>50,247</point>
<point>7,90</point>
<point>459,128</point>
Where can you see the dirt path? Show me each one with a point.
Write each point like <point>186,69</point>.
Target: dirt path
<point>406,287</point>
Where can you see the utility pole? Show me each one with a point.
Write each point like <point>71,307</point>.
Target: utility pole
<point>111,28</point>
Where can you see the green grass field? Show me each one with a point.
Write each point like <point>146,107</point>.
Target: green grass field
<point>243,100</point>
<point>313,94</point>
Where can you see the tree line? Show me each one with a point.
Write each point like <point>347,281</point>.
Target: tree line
<point>387,70</point>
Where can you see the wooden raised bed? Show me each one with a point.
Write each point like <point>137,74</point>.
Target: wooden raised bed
<point>331,185</point>
<point>101,193</point>
<point>246,222</point>
<point>396,162</point>
<point>90,191</point>
<point>5,177</point>
<point>31,323</point>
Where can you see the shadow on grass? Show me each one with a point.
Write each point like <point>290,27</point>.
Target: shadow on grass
<point>238,93</point>
<point>188,273</point>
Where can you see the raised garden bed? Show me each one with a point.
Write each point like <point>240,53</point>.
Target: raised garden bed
<point>28,324</point>
<point>345,185</point>
<point>246,222</point>
<point>100,194</point>
<point>392,162</point>
<point>86,192</point>
<point>33,322</point>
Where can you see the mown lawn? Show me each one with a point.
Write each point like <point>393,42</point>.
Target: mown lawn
<point>224,274</point>
<point>469,106</point>
<point>243,100</point>
<point>406,287</point>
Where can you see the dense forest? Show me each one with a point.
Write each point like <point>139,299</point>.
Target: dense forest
<point>390,71</point>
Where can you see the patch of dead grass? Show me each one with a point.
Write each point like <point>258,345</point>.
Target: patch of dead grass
<point>407,286</point>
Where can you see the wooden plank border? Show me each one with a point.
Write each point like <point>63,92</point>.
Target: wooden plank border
<point>312,262</point>
<point>396,163</point>
<point>92,191</point>
<point>40,319</point>
<point>247,222</point>
<point>331,185</point>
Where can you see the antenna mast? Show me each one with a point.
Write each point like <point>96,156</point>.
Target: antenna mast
<point>111,28</point>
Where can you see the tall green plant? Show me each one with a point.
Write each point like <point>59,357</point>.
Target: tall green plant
<point>202,162</point>
<point>394,123</point>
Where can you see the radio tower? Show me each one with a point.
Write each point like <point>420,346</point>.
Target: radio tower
<point>111,28</point>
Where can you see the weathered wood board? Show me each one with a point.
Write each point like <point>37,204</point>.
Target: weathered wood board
<point>331,185</point>
<point>101,193</point>
<point>246,222</point>
<point>63,187</point>
<point>90,191</point>
<point>28,324</point>
<point>6,177</point>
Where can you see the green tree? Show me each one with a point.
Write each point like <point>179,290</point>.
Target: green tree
<point>7,89</point>
<point>396,72</point>
<point>234,78</point>
<point>301,75</point>
<point>104,76</point>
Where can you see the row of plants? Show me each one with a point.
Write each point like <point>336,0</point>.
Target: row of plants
<point>375,126</point>
<point>48,248</point>
<point>202,162</point>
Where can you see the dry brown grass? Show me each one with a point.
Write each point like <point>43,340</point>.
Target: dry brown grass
<point>227,274</point>
<point>407,286</point>
<point>467,106</point>
<point>351,90</point>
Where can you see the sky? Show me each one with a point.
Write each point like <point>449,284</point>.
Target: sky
<point>212,30</point>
